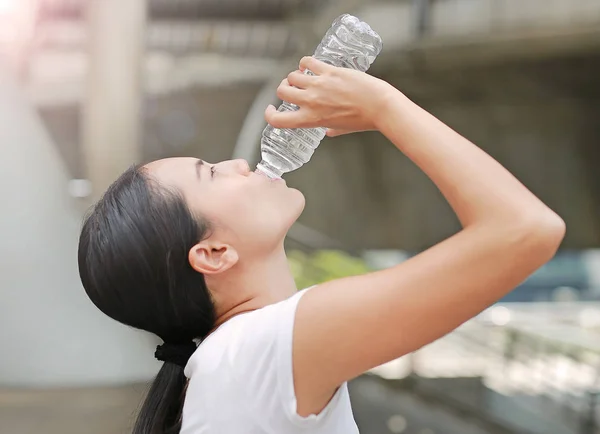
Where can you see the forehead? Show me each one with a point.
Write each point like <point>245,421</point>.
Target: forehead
<point>173,171</point>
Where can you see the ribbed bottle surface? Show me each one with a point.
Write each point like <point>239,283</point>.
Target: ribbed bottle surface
<point>349,43</point>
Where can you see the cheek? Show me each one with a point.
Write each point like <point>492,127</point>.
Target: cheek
<point>242,211</point>
<point>256,215</point>
<point>262,217</point>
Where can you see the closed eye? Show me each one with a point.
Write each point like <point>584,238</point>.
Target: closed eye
<point>212,171</point>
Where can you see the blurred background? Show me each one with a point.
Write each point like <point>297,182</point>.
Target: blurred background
<point>88,87</point>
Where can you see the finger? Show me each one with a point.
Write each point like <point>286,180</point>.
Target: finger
<point>314,65</point>
<point>300,80</point>
<point>285,119</point>
<point>269,111</point>
<point>288,93</point>
<point>331,132</point>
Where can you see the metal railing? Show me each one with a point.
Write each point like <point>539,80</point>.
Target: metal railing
<point>551,377</point>
<point>536,356</point>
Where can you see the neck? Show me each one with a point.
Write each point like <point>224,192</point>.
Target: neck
<point>252,285</point>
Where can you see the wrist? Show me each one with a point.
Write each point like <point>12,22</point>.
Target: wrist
<point>388,100</point>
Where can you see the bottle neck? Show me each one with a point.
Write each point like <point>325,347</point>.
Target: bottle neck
<point>269,170</point>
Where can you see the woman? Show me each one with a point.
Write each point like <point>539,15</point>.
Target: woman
<point>193,252</point>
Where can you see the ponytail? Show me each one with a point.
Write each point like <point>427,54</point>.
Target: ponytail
<point>162,409</point>
<point>133,263</point>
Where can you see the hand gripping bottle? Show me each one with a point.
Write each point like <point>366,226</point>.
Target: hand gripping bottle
<point>349,43</point>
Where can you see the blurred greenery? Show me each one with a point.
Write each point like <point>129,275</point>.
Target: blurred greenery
<point>321,266</point>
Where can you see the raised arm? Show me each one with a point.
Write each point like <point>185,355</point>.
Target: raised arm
<point>347,326</point>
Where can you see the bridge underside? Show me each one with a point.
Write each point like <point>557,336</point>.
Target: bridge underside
<point>539,117</point>
<point>530,97</point>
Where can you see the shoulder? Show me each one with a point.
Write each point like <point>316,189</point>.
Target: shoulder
<point>250,357</point>
<point>254,350</point>
<point>267,328</point>
<point>246,336</point>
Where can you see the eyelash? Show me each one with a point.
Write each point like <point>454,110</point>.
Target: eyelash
<point>212,171</point>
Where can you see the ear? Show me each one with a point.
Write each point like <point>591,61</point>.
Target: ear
<point>209,257</point>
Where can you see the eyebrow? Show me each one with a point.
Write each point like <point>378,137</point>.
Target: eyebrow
<point>199,165</point>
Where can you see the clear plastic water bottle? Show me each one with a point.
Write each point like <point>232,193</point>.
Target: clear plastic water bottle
<point>349,43</point>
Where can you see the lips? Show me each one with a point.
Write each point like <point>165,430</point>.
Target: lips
<point>263,175</point>
<point>258,172</point>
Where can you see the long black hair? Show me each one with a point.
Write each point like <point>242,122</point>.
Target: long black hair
<point>133,263</point>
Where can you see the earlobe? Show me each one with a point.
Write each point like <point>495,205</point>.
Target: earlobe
<point>212,258</point>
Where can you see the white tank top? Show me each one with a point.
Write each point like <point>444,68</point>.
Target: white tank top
<point>241,381</point>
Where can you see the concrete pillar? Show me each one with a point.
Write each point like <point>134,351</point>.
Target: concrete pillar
<point>51,333</point>
<point>111,115</point>
<point>247,145</point>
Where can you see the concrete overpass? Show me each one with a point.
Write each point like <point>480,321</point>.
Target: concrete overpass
<point>517,77</point>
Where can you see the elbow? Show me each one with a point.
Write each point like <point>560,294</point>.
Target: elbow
<point>544,234</point>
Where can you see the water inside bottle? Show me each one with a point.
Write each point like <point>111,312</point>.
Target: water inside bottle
<point>349,43</point>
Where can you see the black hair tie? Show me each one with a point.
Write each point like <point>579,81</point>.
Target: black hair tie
<point>179,354</point>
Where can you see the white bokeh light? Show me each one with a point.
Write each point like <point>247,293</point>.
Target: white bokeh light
<point>8,6</point>
<point>397,424</point>
<point>79,188</point>
<point>500,315</point>
<point>589,317</point>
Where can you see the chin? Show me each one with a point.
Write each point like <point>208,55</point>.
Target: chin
<point>299,201</point>
<point>290,208</point>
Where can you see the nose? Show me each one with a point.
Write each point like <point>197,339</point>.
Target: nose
<point>238,166</point>
<point>243,165</point>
